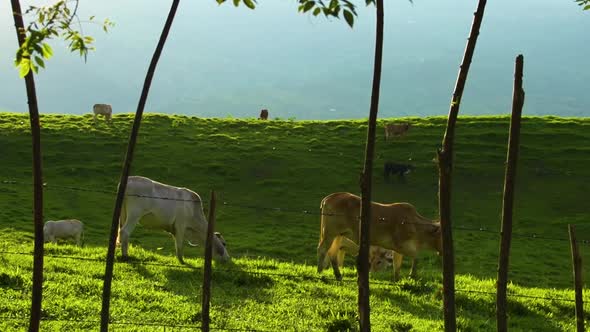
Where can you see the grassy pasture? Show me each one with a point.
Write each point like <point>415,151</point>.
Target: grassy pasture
<point>271,284</point>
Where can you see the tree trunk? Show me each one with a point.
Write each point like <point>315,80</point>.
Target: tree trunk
<point>106,292</point>
<point>366,179</point>
<point>37,178</point>
<point>445,164</point>
<point>508,203</point>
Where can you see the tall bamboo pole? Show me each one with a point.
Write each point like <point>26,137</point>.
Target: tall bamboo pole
<point>37,291</point>
<point>106,291</point>
<point>206,292</point>
<point>508,200</point>
<point>578,282</point>
<point>445,165</point>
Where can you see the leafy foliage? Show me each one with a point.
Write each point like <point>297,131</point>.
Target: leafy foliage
<point>49,22</point>
<point>249,3</point>
<point>584,3</point>
<point>331,8</point>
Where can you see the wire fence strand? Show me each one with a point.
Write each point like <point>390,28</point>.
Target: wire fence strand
<point>296,211</point>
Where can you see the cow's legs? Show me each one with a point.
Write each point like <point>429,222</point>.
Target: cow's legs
<point>78,240</point>
<point>126,230</point>
<point>334,261</point>
<point>397,264</point>
<point>179,239</point>
<point>323,247</point>
<point>413,269</point>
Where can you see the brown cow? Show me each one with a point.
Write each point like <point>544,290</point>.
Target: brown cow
<point>396,130</point>
<point>263,115</point>
<point>379,258</point>
<point>396,226</point>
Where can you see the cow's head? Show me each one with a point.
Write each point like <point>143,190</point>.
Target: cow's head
<point>436,237</point>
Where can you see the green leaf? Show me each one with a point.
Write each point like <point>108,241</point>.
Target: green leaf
<point>308,5</point>
<point>47,51</point>
<point>24,67</point>
<point>236,2</point>
<point>348,17</point>
<point>249,3</point>
<point>317,11</point>
<point>586,7</point>
<point>34,67</point>
<point>40,61</point>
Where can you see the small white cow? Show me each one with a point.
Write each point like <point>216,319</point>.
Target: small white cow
<point>103,109</point>
<point>178,211</point>
<point>63,229</point>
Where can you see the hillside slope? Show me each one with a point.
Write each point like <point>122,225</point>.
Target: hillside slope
<point>272,175</point>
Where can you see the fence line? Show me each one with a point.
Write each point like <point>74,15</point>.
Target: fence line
<point>299,211</point>
<point>153,323</point>
<point>284,275</point>
<point>516,295</point>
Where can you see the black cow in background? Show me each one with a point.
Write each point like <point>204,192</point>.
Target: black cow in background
<point>392,168</point>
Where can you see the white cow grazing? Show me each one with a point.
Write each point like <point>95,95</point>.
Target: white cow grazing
<point>103,109</point>
<point>63,229</point>
<point>178,211</point>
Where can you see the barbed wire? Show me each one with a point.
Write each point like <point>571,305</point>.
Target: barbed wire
<point>302,211</point>
<point>323,278</point>
<point>517,295</point>
<point>153,323</point>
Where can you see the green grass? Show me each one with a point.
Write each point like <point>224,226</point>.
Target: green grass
<point>292,165</point>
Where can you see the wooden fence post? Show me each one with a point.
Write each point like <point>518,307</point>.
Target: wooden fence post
<point>366,179</point>
<point>206,298</point>
<point>508,200</point>
<point>577,266</point>
<point>108,275</point>
<point>445,165</point>
<point>37,291</point>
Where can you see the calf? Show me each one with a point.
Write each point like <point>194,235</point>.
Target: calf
<point>263,115</point>
<point>396,130</point>
<point>103,109</point>
<point>63,229</point>
<point>379,258</point>
<point>395,226</point>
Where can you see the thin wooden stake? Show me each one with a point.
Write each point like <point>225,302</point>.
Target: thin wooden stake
<point>508,200</point>
<point>37,291</point>
<point>577,266</point>
<point>108,275</point>
<point>206,298</point>
<point>366,180</point>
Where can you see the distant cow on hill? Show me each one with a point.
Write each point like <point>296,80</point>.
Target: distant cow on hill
<point>63,229</point>
<point>263,115</point>
<point>396,130</point>
<point>392,168</point>
<point>103,109</point>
